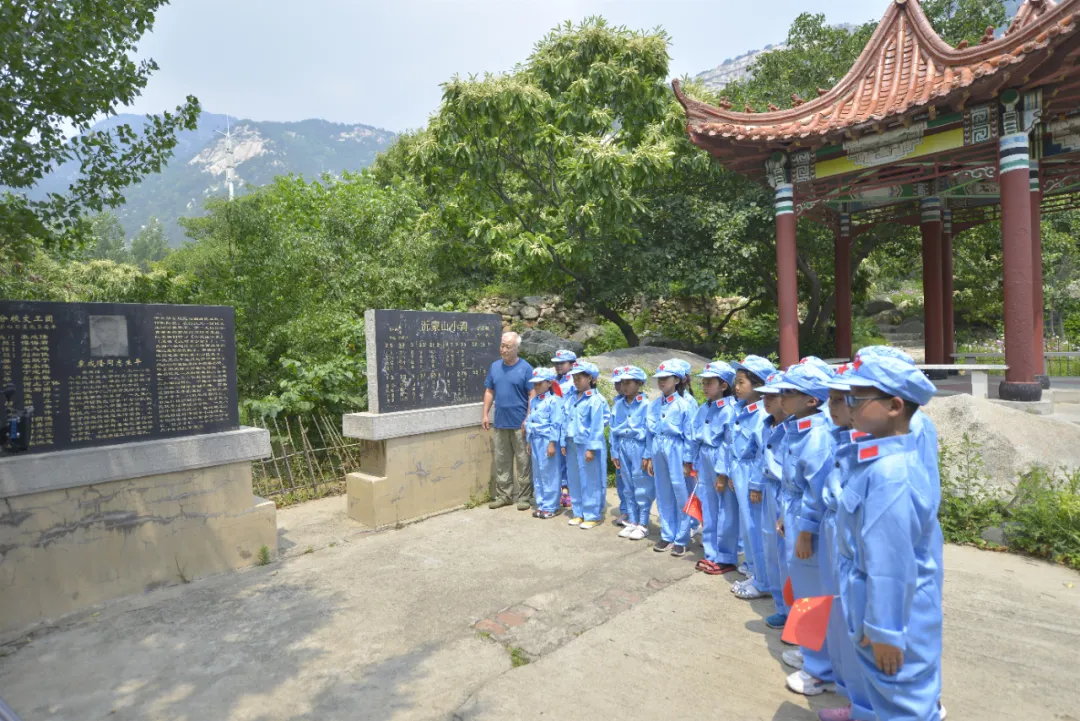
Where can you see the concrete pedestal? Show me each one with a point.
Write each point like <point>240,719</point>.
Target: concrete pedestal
<point>83,526</point>
<point>416,463</point>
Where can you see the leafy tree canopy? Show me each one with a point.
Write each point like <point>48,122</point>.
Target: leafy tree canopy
<point>67,62</point>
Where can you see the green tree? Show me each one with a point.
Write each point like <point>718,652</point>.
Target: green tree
<point>65,64</point>
<point>548,163</point>
<point>150,245</point>
<point>108,241</point>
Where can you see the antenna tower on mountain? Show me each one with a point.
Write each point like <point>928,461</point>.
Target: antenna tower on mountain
<point>230,163</point>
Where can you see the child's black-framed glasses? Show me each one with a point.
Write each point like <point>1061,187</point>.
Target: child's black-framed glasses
<point>856,401</point>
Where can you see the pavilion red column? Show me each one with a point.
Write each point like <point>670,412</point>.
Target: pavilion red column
<point>948,328</point>
<point>1037,276</point>
<point>1014,177</point>
<point>787,284</point>
<point>932,304</point>
<point>842,264</point>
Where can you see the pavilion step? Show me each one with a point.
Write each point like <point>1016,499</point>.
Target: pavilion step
<point>895,338</point>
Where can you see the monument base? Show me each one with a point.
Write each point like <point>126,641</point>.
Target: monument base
<point>416,463</point>
<point>84,526</point>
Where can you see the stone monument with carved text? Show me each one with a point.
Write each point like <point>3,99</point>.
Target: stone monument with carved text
<point>424,448</point>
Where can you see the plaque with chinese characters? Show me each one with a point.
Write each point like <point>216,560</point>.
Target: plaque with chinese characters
<point>104,373</point>
<point>419,359</point>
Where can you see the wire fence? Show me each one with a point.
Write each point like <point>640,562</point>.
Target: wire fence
<point>309,459</point>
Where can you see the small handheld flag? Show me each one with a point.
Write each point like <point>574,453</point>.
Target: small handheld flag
<point>808,622</point>
<point>789,593</point>
<point>556,389</point>
<point>693,507</point>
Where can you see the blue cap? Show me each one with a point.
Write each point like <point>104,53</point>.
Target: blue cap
<point>772,383</point>
<point>585,367</point>
<point>616,374</point>
<point>807,378</point>
<point>632,373</point>
<point>817,363</point>
<point>892,375</point>
<point>542,374</point>
<point>670,368</point>
<point>755,364</point>
<point>885,350</point>
<point>564,356</point>
<point>840,379</point>
<point>719,369</point>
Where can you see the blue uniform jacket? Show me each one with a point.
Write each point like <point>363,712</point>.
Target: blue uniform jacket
<point>585,417</point>
<point>845,443</point>
<point>746,438</point>
<point>710,432</point>
<point>807,464</point>
<point>771,452</point>
<point>671,417</point>
<point>545,418</point>
<point>566,385</point>
<point>628,421</point>
<point>886,529</point>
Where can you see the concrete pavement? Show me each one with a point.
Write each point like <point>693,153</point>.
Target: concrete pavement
<point>428,622</point>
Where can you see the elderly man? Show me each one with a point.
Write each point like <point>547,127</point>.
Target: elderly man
<point>507,385</point>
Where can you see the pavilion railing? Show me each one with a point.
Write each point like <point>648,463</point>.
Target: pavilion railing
<point>309,458</point>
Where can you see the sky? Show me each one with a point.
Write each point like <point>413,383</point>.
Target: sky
<point>380,62</point>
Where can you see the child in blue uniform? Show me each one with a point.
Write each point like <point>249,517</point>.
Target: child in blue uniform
<point>847,674</point>
<point>542,434</point>
<point>773,450</point>
<point>628,432</point>
<point>586,414</point>
<point>709,447</point>
<point>564,361</point>
<point>740,517</point>
<point>808,461</point>
<point>889,543</point>
<point>624,484</point>
<point>669,422</point>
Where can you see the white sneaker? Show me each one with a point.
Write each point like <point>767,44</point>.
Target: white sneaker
<point>941,711</point>
<point>739,584</point>
<point>793,658</point>
<point>744,569</point>
<point>639,533</point>
<point>627,530</point>
<point>748,592</point>
<point>807,685</point>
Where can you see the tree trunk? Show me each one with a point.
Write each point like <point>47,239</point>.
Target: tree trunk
<point>607,313</point>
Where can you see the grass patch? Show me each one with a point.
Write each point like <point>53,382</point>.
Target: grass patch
<point>264,557</point>
<point>1042,518</point>
<point>518,657</point>
<point>478,498</point>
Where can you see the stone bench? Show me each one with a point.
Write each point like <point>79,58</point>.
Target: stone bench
<point>980,375</point>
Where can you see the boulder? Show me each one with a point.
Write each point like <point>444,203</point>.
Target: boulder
<point>1007,440</point>
<point>538,346</point>
<point>914,326</point>
<point>888,318</point>
<point>587,332</point>
<point>878,305</point>
<point>530,312</point>
<point>536,300</point>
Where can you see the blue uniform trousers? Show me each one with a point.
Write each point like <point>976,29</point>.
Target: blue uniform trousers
<point>845,662</point>
<point>710,510</point>
<point>624,482</point>
<point>631,452</point>
<point>591,482</point>
<point>545,475</point>
<point>773,546</point>
<point>805,583</point>
<point>573,478</point>
<point>671,493</point>
<point>749,521</point>
<point>728,520</point>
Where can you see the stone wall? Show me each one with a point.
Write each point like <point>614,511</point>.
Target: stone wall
<point>535,311</point>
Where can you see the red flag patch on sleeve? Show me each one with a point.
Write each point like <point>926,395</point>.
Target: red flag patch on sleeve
<point>868,453</point>
<point>804,425</point>
<point>808,622</point>
<point>752,408</point>
<point>859,435</point>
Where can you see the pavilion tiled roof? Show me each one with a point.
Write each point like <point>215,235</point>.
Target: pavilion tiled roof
<point>906,66</point>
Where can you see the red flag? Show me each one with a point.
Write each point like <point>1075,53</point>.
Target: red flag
<point>789,594</point>
<point>556,389</point>
<point>808,622</point>
<point>693,507</point>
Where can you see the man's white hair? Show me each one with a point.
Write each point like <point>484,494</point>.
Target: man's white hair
<point>514,337</point>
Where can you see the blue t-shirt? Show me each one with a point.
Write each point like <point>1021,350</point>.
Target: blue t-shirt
<point>511,386</point>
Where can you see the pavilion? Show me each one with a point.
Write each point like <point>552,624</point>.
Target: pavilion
<point>920,132</point>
